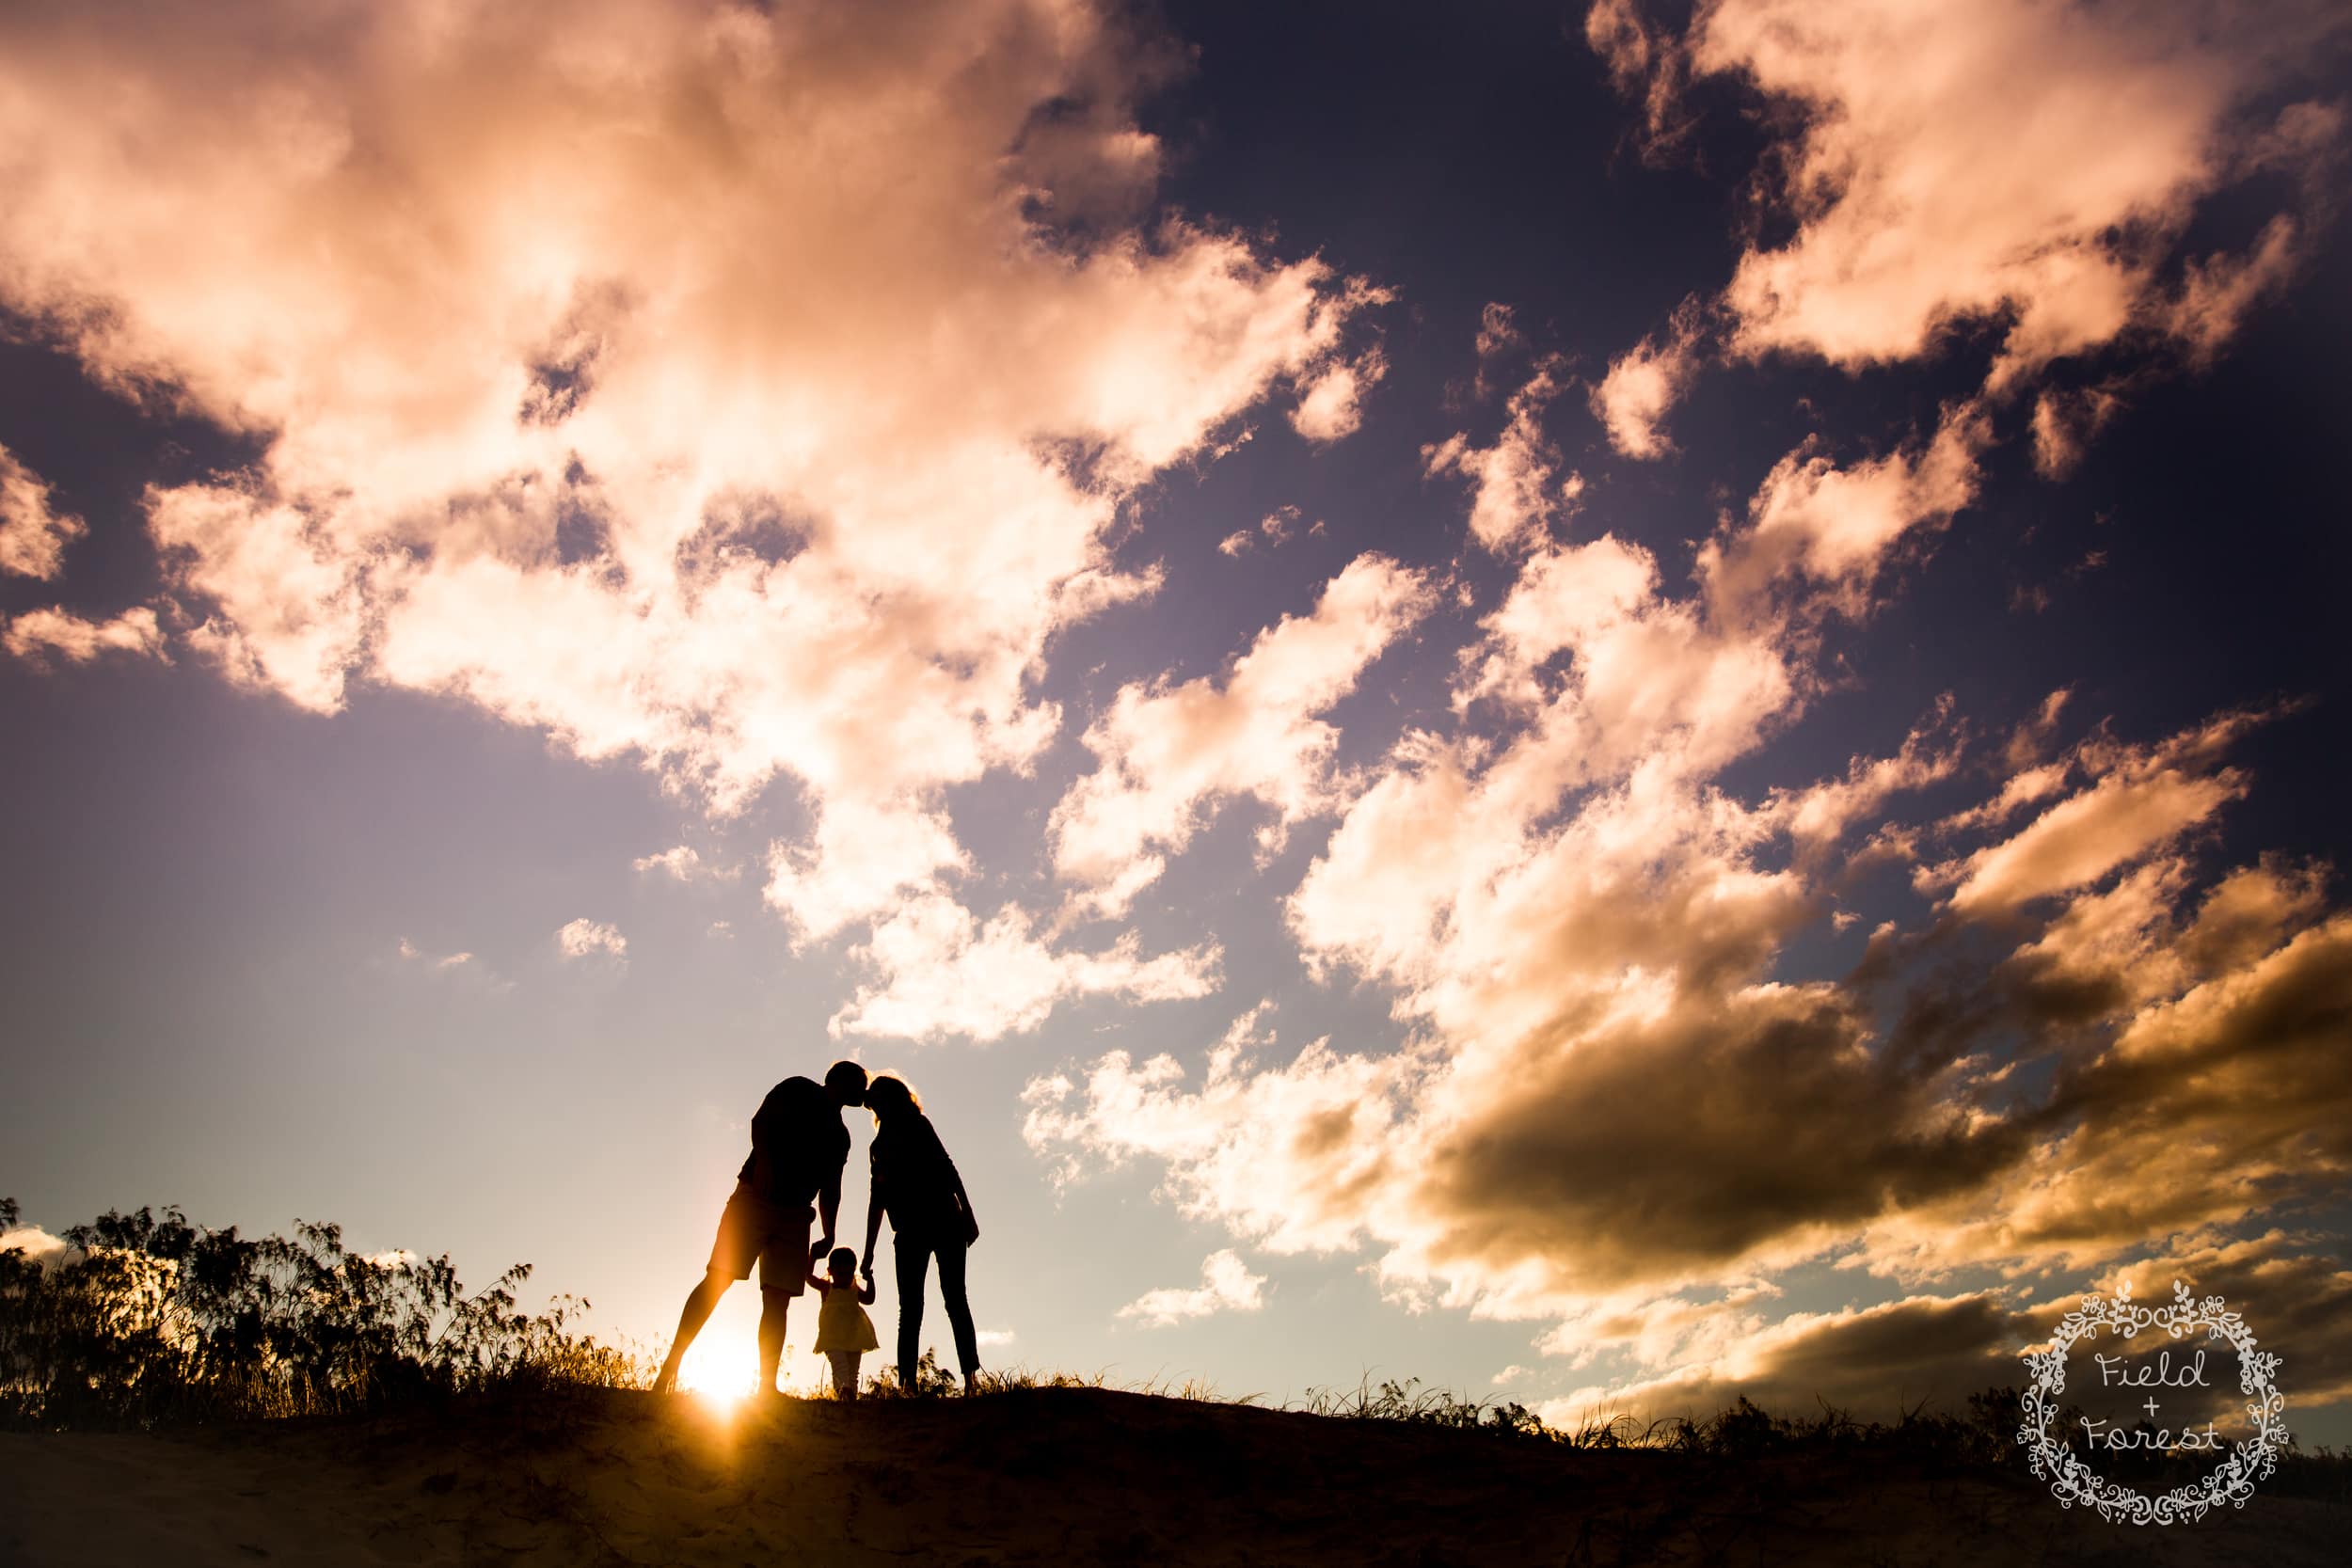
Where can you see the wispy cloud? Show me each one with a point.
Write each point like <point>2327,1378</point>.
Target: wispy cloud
<point>941,971</point>
<point>33,534</point>
<point>1170,755</point>
<point>1275,527</point>
<point>1331,405</point>
<point>585,938</point>
<point>2089,141</point>
<point>857,862</point>
<point>1226,1285</point>
<point>411,953</point>
<point>1645,381</point>
<point>684,863</point>
<point>40,635</point>
<point>1514,487</point>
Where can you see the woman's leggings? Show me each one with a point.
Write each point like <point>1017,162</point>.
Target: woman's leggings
<point>914,1262</point>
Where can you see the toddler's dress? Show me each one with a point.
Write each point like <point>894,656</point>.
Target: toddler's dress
<point>843,1334</point>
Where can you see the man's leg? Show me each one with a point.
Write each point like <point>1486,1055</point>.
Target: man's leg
<point>914,1263</point>
<point>772,1305</point>
<point>951,1259</point>
<point>699,1306</point>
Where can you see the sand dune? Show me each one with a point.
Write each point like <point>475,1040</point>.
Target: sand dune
<point>1047,1476</point>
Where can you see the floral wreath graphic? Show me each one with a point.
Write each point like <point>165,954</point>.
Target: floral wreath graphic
<point>2232,1481</point>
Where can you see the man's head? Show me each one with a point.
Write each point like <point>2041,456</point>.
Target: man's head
<point>846,1083</point>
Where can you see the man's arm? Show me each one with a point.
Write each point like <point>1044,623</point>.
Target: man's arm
<point>828,1210</point>
<point>762,1178</point>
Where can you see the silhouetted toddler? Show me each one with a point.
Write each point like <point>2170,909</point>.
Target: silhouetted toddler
<point>844,1332</point>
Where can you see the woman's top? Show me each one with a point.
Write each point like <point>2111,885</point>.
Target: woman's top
<point>841,1322</point>
<point>917,1184</point>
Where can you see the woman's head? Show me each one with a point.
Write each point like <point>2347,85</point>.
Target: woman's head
<point>888,1095</point>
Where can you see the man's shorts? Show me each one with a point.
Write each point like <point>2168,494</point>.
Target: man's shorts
<point>753,1228</point>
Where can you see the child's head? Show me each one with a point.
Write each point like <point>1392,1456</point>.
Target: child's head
<point>842,1265</point>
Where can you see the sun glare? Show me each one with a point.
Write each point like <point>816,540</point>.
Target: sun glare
<point>722,1368</point>
<point>719,1371</point>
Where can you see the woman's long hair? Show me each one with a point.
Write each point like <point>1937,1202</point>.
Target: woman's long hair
<point>888,1091</point>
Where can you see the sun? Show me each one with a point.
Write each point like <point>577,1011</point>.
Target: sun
<point>722,1367</point>
<point>720,1370</point>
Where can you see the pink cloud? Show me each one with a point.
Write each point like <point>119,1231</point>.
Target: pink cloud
<point>33,535</point>
<point>2027,164</point>
<point>941,972</point>
<point>800,379</point>
<point>1645,381</point>
<point>1831,528</point>
<point>590,939</point>
<point>1171,754</point>
<point>39,635</point>
<point>1513,491</point>
<point>2088,137</point>
<point>1331,405</point>
<point>1226,1285</point>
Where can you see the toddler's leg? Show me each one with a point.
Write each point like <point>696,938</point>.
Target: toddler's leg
<point>844,1372</point>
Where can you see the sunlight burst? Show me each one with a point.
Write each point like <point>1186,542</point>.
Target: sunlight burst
<point>722,1372</point>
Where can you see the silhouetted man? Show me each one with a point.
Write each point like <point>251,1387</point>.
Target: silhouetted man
<point>793,1176</point>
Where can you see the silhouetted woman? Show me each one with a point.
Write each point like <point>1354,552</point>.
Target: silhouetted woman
<point>917,1185</point>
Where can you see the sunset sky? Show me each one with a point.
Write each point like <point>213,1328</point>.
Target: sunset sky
<point>1608,706</point>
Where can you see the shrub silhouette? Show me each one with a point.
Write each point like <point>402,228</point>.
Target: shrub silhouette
<point>150,1318</point>
<point>932,1380</point>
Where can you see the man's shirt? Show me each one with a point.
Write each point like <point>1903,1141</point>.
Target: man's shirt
<point>797,1139</point>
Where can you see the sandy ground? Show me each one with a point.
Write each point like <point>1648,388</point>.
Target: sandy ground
<point>1046,1477</point>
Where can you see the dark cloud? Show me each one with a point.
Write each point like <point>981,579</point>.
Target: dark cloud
<point>1642,1154</point>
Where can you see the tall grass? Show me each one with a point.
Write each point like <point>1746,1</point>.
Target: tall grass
<point>1410,1403</point>
<point>148,1318</point>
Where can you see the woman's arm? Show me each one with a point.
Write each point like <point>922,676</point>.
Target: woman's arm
<point>877,1198</point>
<point>964,1199</point>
